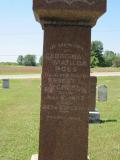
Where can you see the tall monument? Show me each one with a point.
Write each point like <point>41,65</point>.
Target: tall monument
<point>66,74</point>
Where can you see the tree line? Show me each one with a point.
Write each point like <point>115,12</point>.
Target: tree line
<point>99,57</point>
<point>27,60</point>
<point>102,58</point>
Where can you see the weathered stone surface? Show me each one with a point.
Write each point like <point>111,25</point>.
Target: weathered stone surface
<point>79,12</point>
<point>93,83</point>
<point>65,93</point>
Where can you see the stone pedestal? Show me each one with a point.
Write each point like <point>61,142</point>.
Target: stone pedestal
<point>93,83</point>
<point>65,78</point>
<point>34,157</point>
<point>94,115</point>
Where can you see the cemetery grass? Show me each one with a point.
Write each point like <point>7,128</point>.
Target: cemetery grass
<point>19,118</point>
<point>104,138</point>
<point>4,70</point>
<point>105,69</point>
<point>19,121</point>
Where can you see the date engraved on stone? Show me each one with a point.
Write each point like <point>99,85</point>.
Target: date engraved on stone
<point>70,2</point>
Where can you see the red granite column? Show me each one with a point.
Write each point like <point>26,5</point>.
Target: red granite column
<point>65,90</point>
<point>66,74</point>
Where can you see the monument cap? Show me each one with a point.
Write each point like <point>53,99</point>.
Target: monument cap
<point>68,12</point>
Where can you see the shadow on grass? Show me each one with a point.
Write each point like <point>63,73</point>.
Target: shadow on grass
<point>109,120</point>
<point>103,121</point>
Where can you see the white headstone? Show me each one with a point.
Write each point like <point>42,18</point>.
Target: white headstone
<point>102,93</point>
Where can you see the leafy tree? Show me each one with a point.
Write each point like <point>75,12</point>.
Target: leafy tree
<point>116,61</point>
<point>20,60</point>
<point>30,60</point>
<point>41,60</point>
<point>94,60</point>
<point>96,54</point>
<point>109,56</point>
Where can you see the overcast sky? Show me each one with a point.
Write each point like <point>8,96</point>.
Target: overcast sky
<point>21,34</point>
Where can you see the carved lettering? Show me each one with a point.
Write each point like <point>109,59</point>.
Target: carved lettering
<point>65,85</point>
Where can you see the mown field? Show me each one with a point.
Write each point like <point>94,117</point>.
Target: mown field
<point>36,70</point>
<point>19,70</point>
<point>19,121</point>
<point>105,69</point>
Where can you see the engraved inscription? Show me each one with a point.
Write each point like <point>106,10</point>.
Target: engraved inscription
<point>65,81</point>
<point>70,2</point>
<point>63,60</point>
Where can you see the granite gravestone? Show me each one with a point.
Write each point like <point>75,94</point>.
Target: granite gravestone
<point>5,83</point>
<point>102,93</point>
<point>65,78</point>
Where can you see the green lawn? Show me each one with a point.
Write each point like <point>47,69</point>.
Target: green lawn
<point>105,69</point>
<point>19,121</point>
<point>104,138</point>
<point>19,118</point>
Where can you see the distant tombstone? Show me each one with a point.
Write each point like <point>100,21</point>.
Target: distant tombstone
<point>5,83</point>
<point>102,93</point>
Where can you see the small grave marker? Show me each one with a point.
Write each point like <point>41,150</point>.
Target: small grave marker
<point>6,83</point>
<point>102,93</point>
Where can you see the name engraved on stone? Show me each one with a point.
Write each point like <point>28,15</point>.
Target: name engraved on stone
<point>61,56</point>
<point>70,2</point>
<point>64,61</point>
<point>65,69</point>
<point>70,62</point>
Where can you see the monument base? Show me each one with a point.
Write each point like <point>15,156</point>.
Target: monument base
<point>94,116</point>
<point>35,157</point>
